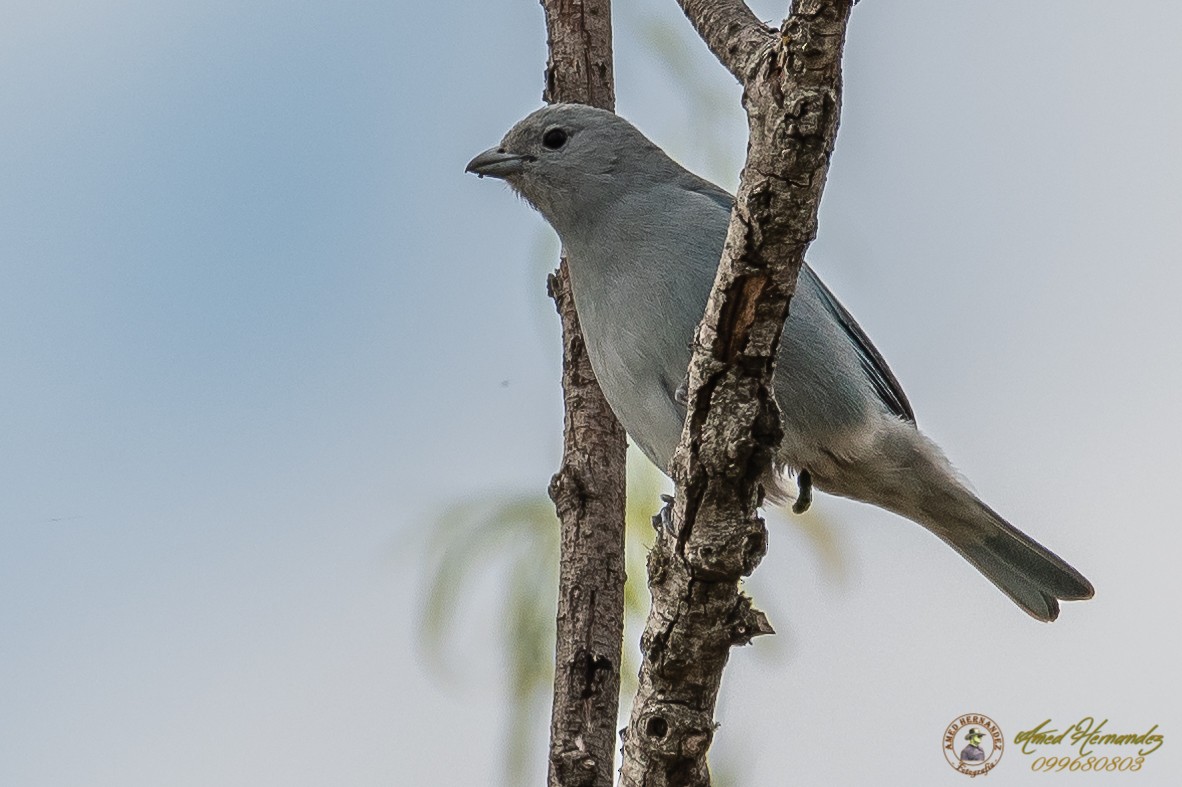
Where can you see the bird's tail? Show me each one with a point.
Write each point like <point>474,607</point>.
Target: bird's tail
<point>1026,571</point>
<point>920,485</point>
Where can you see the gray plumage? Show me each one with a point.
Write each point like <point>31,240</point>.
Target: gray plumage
<point>643,237</point>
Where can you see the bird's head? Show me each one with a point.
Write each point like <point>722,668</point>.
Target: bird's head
<point>568,159</point>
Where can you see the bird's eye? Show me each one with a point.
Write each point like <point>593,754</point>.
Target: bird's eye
<point>554,138</point>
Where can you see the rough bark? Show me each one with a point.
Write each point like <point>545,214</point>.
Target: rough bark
<point>792,87</point>
<point>588,489</point>
<point>579,39</point>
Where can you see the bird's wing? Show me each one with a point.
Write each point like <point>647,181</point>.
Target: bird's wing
<point>704,187</point>
<point>875,366</point>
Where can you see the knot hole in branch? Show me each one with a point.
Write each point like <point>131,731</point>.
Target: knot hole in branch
<point>674,732</point>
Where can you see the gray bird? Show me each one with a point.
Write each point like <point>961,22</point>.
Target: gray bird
<point>643,237</point>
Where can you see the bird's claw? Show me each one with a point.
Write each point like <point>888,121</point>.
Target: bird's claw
<point>664,517</point>
<point>804,497</point>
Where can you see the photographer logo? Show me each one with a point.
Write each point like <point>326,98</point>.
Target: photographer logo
<point>973,744</point>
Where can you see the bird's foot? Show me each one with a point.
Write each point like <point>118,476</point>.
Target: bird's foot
<point>664,517</point>
<point>804,496</point>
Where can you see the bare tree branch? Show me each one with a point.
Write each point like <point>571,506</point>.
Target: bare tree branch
<point>792,94</point>
<point>579,39</point>
<point>733,33</point>
<point>588,489</point>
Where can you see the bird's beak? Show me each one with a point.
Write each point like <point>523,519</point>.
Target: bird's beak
<point>496,163</point>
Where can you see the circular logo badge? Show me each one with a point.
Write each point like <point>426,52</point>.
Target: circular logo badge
<point>973,744</point>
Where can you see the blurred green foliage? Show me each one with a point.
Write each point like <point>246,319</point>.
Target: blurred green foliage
<point>517,537</point>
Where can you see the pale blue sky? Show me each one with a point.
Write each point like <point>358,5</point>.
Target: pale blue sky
<point>257,327</point>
